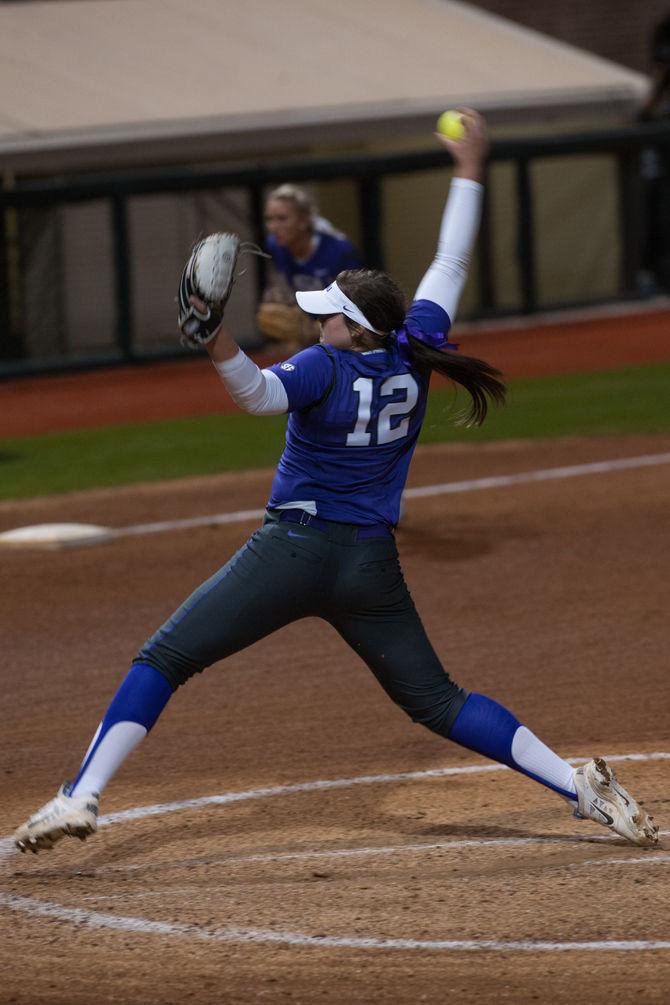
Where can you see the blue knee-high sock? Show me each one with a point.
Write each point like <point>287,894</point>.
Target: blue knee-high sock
<point>490,729</point>
<point>134,709</point>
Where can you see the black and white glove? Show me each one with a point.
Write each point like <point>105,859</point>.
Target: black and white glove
<point>208,275</point>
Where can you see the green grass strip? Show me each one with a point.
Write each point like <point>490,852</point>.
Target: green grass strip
<point>632,400</point>
<point>613,402</point>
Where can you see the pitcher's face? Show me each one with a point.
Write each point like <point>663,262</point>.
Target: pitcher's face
<point>334,331</point>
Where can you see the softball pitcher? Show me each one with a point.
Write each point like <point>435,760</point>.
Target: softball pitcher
<point>355,405</point>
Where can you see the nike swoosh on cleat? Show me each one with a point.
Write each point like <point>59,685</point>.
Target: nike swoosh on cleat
<point>621,795</point>
<point>608,819</point>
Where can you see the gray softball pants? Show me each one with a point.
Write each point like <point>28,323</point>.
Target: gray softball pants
<point>286,572</point>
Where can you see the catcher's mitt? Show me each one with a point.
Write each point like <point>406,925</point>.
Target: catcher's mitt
<point>287,324</point>
<point>209,275</point>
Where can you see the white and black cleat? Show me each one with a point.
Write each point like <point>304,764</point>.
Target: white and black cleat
<point>62,816</point>
<point>600,797</point>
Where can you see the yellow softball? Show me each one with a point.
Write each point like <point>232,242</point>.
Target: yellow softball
<point>450,124</point>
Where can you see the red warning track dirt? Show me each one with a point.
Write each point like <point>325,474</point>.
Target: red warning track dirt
<point>142,393</point>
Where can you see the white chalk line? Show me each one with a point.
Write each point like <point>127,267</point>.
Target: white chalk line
<point>241,516</point>
<point>653,859</point>
<point>97,920</point>
<point>145,926</point>
<point>335,853</point>
<point>541,475</point>
<point>650,858</point>
<point>144,894</point>
<point>421,492</point>
<point>157,809</point>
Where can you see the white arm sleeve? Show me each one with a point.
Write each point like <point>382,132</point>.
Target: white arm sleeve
<point>444,281</point>
<point>260,392</point>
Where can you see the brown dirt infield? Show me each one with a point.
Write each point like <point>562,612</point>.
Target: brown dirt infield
<point>551,597</point>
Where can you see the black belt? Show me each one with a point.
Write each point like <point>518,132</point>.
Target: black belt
<point>306,519</point>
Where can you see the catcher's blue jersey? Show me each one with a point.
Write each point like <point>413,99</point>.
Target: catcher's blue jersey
<point>354,419</point>
<point>333,253</point>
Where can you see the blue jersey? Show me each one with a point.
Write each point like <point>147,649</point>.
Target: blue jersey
<point>354,419</point>
<point>332,255</point>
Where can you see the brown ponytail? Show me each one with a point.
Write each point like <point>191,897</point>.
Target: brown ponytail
<point>480,380</point>
<point>383,304</point>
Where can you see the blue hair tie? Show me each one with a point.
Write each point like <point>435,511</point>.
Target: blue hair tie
<point>436,340</point>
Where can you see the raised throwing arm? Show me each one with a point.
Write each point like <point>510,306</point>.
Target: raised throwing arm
<point>444,281</point>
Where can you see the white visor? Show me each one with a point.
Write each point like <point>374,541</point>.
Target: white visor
<point>333,301</point>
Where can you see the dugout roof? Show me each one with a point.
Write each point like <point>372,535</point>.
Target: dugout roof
<point>110,83</point>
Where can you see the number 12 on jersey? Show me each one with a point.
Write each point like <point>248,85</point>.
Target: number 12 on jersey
<point>364,387</point>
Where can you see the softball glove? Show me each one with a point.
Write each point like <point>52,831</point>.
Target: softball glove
<point>209,275</point>
<point>286,324</point>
